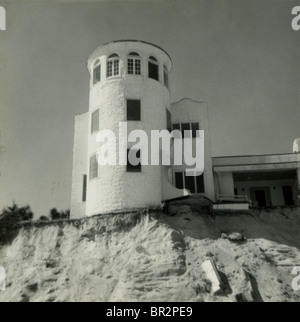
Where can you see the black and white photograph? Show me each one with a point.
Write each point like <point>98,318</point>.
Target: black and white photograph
<point>149,153</point>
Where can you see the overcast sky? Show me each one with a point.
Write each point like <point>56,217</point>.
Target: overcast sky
<point>241,57</point>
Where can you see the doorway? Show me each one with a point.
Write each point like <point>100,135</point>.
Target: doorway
<point>288,195</point>
<point>261,197</point>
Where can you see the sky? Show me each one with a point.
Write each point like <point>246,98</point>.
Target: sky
<point>240,56</point>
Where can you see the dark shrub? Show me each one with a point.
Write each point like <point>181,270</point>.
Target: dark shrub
<point>56,215</point>
<point>10,217</point>
<point>44,218</point>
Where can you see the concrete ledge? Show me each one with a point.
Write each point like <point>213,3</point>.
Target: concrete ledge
<point>231,207</point>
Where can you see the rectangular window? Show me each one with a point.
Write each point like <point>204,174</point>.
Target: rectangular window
<point>134,168</point>
<point>200,184</point>
<point>109,69</point>
<point>130,66</point>
<point>179,180</point>
<point>96,74</point>
<point>193,183</point>
<point>116,67</point>
<point>153,71</point>
<point>133,110</point>
<point>95,121</point>
<point>138,67</point>
<point>176,126</point>
<point>185,127</point>
<point>169,120</point>
<point>195,128</point>
<point>190,183</point>
<point>93,167</point>
<point>84,188</point>
<point>134,66</point>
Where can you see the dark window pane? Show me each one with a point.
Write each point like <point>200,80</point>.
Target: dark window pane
<point>176,127</point>
<point>116,67</point>
<point>179,180</point>
<point>130,66</point>
<point>190,183</point>
<point>95,121</point>
<point>109,69</point>
<point>153,58</point>
<point>93,167</point>
<point>96,74</point>
<point>84,188</point>
<point>185,127</point>
<point>169,121</point>
<point>200,184</point>
<point>195,127</point>
<point>134,168</point>
<point>133,110</point>
<point>138,67</point>
<point>134,66</point>
<point>153,71</point>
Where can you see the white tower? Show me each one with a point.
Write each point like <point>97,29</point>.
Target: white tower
<point>129,83</point>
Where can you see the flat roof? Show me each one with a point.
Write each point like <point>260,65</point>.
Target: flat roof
<point>132,40</point>
<point>253,155</point>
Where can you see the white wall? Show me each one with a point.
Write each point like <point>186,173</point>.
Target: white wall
<point>225,183</point>
<point>115,189</point>
<point>79,165</point>
<point>185,111</point>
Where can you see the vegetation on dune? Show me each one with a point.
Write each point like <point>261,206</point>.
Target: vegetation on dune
<point>10,217</point>
<point>56,215</point>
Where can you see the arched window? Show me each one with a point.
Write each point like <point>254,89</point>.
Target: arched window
<point>96,72</point>
<point>134,64</point>
<point>166,76</point>
<point>112,65</point>
<point>153,59</point>
<point>153,69</point>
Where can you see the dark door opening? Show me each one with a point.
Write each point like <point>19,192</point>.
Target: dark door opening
<point>260,197</point>
<point>288,195</point>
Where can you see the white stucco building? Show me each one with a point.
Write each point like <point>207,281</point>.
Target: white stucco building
<point>129,82</point>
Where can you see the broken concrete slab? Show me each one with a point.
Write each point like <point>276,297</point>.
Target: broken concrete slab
<point>212,274</point>
<point>251,293</point>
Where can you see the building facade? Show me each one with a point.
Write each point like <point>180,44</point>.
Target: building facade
<point>266,180</point>
<point>129,84</point>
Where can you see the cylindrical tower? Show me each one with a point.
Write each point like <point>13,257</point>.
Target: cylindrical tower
<point>129,83</point>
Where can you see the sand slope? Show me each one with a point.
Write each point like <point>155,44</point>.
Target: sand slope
<point>152,257</point>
